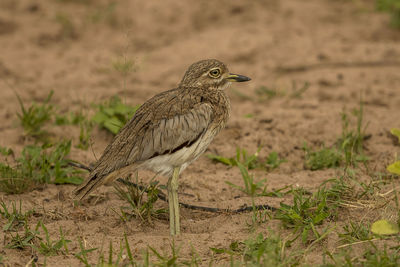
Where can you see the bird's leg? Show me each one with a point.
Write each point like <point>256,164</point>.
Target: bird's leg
<point>173,202</point>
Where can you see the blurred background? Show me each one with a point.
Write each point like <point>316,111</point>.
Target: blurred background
<point>87,52</point>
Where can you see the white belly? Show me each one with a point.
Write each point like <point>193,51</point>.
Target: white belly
<point>165,164</point>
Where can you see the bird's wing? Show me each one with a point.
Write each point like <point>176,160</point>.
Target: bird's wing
<point>161,127</point>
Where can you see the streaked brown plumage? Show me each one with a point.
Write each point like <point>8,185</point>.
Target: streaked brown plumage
<point>170,130</point>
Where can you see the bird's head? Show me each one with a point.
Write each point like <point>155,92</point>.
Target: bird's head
<point>211,74</point>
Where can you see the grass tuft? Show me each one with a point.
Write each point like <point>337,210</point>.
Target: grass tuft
<point>322,159</point>
<point>39,165</point>
<point>35,116</point>
<point>114,114</point>
<point>259,251</point>
<point>50,247</point>
<point>250,161</point>
<point>348,149</point>
<point>15,217</point>
<point>311,210</point>
<point>139,206</point>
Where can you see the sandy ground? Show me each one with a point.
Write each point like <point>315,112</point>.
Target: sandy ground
<point>342,49</point>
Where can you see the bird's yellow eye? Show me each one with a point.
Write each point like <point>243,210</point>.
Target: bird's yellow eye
<point>215,73</point>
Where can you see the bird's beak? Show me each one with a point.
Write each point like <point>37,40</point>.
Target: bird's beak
<point>237,78</point>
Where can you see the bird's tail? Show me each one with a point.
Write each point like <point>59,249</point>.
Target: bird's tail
<point>96,178</point>
<point>94,181</point>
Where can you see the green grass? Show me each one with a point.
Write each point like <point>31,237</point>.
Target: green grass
<point>86,128</point>
<point>83,253</point>
<point>50,247</point>
<point>140,205</point>
<point>15,218</point>
<point>310,210</point>
<point>259,251</point>
<point>34,117</point>
<point>250,161</point>
<point>113,114</point>
<point>23,240</point>
<point>5,151</point>
<point>355,231</point>
<point>14,180</point>
<point>322,159</point>
<point>370,256</point>
<point>347,151</point>
<point>351,142</point>
<point>251,187</point>
<point>49,166</point>
<point>71,118</point>
<point>81,120</point>
<point>39,165</point>
<point>393,8</point>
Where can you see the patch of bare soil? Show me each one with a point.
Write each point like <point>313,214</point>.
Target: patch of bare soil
<point>341,49</point>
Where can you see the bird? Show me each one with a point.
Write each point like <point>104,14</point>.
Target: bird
<point>168,132</point>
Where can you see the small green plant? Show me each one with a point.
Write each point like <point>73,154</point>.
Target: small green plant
<point>5,151</point>
<point>139,206</point>
<point>265,251</point>
<point>35,116</point>
<point>110,261</point>
<point>382,257</point>
<point>308,211</point>
<point>259,251</point>
<point>242,157</point>
<point>86,128</point>
<point>348,149</point>
<point>370,256</point>
<point>27,239</point>
<point>15,217</point>
<point>353,232</point>
<point>351,141</point>
<point>114,114</point>
<point>121,260</point>
<point>393,8</point>
<point>166,259</point>
<point>321,159</point>
<point>49,247</point>
<point>251,187</point>
<point>73,118</point>
<point>273,161</point>
<point>38,165</point>
<point>82,255</point>
<point>49,167</point>
<point>85,125</point>
<point>250,161</point>
<point>14,180</point>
